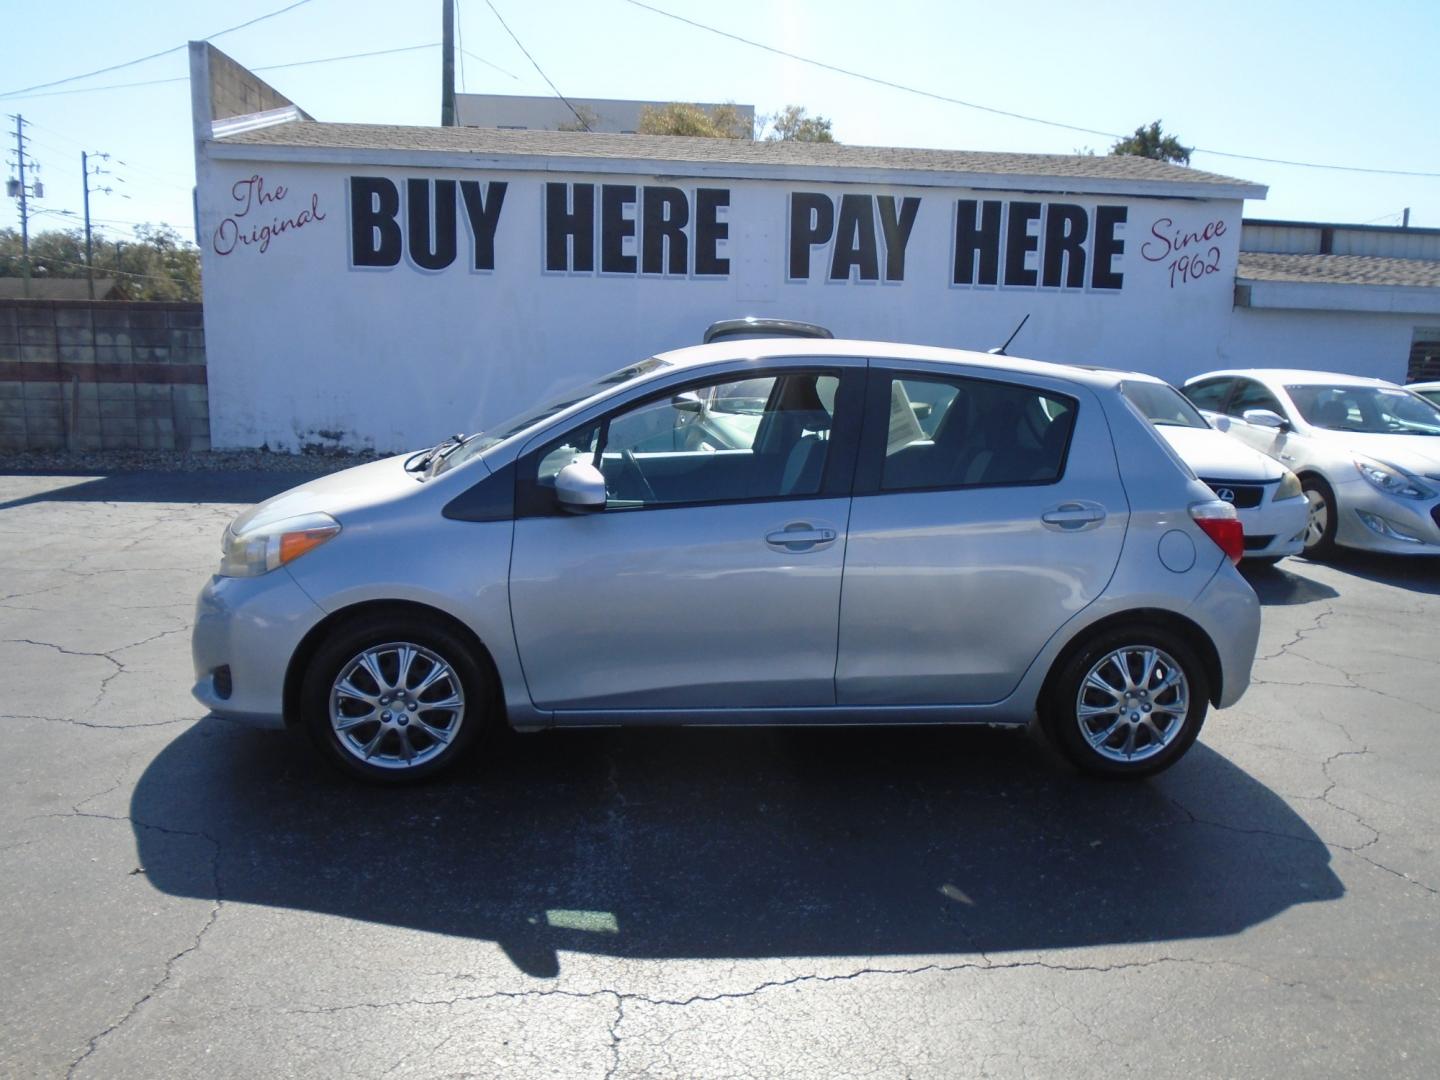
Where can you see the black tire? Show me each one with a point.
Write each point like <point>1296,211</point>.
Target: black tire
<point>387,636</point>
<point>1324,545</point>
<point>1060,711</point>
<point>1262,562</point>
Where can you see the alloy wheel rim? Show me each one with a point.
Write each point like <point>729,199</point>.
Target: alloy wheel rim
<point>1318,520</point>
<point>1132,703</point>
<point>396,706</point>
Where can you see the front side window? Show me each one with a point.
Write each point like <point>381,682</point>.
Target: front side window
<point>722,441</point>
<point>1374,410</point>
<point>969,432</point>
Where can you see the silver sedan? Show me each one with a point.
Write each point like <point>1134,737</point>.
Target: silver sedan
<point>1367,451</point>
<point>757,532</point>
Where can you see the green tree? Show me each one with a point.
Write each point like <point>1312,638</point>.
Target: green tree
<point>586,119</point>
<point>791,123</point>
<point>680,118</point>
<point>157,264</point>
<point>1150,142</point>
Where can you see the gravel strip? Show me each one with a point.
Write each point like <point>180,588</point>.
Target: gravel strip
<point>116,461</point>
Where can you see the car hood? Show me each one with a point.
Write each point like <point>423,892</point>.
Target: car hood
<point>1419,454</point>
<point>337,494</point>
<point>1215,455</point>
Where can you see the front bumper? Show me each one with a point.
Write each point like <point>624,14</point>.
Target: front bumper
<point>1367,518</point>
<point>246,631</point>
<point>1282,522</point>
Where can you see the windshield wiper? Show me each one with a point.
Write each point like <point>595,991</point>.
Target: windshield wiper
<point>419,461</point>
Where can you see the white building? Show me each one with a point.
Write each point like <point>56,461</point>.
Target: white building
<point>371,285</point>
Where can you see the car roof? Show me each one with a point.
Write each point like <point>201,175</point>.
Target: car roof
<point>774,348</point>
<point>1293,377</point>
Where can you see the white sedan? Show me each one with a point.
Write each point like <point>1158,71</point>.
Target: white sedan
<point>1367,451</point>
<point>1265,494</point>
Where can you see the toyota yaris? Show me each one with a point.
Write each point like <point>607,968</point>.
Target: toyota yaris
<point>756,532</point>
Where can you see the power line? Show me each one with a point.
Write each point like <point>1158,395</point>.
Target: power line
<point>876,80</point>
<point>487,63</point>
<point>537,67</point>
<point>156,55</point>
<point>268,67</point>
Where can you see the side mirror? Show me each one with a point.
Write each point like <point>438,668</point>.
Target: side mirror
<point>687,402</point>
<point>580,488</point>
<point>1219,423</point>
<point>1265,418</point>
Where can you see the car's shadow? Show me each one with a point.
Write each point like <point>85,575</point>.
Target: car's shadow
<point>1285,584</point>
<point>1415,573</point>
<point>735,843</point>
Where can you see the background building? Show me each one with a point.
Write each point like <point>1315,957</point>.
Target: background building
<point>370,285</point>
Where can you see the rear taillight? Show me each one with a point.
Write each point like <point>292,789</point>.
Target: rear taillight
<point>1221,524</point>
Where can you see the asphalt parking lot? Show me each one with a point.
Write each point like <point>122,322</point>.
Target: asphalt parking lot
<point>182,896</point>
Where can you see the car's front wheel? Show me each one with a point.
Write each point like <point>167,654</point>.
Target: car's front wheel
<point>1320,529</point>
<point>1128,704</point>
<point>393,699</point>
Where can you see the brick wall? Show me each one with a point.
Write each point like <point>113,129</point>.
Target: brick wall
<point>102,375</point>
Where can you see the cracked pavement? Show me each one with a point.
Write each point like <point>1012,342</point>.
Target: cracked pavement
<point>184,896</point>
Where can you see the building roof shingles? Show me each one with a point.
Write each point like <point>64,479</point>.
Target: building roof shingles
<point>746,152</point>
<point>1339,270</point>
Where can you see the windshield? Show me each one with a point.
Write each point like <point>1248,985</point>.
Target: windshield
<point>1372,410</point>
<point>1162,405</point>
<point>482,440</point>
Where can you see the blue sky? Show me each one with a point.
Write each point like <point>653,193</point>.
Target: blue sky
<point>1319,81</point>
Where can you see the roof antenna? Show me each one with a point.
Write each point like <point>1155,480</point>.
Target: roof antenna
<point>1001,350</point>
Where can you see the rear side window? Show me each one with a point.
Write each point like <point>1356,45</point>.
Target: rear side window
<point>971,433</point>
<point>1250,394</point>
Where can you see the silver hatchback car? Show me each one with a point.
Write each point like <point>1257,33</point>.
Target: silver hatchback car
<point>754,532</point>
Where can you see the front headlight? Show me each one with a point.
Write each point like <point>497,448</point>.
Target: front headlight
<point>1391,480</point>
<point>258,551</point>
<point>1289,486</point>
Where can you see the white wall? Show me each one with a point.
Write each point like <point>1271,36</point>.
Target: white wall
<point>1357,343</point>
<point>305,348</point>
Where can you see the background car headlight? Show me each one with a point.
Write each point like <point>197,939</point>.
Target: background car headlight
<point>1391,480</point>
<point>260,550</point>
<point>1289,486</point>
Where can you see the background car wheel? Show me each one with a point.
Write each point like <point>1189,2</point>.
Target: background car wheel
<point>393,700</point>
<point>1128,704</point>
<point>1320,532</point>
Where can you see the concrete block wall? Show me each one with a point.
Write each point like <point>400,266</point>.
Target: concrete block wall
<point>102,375</point>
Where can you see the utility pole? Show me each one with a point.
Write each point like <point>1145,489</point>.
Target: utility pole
<point>89,249</point>
<point>22,189</point>
<point>447,64</point>
<point>1405,219</point>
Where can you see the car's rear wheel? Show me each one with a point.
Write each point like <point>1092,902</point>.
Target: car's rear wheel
<point>1320,529</point>
<point>1128,704</point>
<point>393,700</point>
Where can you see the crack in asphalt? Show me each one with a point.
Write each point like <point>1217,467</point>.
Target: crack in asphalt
<point>120,667</point>
<point>94,1042</point>
<point>1316,625</point>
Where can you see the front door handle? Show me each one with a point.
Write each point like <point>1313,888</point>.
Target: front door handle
<point>800,536</point>
<point>1073,516</point>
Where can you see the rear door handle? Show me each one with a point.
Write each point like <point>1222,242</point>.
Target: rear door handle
<point>800,536</point>
<point>1073,516</point>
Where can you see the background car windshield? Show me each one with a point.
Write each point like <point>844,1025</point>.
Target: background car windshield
<point>1162,405</point>
<point>1373,410</point>
<point>482,441</point>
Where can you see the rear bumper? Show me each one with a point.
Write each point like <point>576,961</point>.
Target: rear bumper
<point>247,629</point>
<point>1228,611</point>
